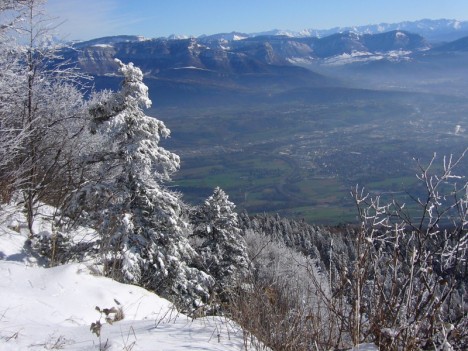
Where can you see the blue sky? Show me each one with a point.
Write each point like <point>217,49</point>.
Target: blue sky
<point>86,19</point>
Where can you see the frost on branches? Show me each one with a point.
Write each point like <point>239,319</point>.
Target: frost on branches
<point>223,249</point>
<point>141,222</point>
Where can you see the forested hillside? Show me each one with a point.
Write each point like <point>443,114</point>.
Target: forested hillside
<point>396,278</point>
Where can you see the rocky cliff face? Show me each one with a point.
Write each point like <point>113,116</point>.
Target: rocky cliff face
<point>233,57</point>
<point>233,64</point>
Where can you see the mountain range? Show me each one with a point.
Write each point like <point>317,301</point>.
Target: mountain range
<point>439,30</point>
<point>250,55</point>
<point>433,30</point>
<point>237,63</point>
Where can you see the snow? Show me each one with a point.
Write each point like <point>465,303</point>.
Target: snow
<point>355,56</point>
<point>301,60</point>
<point>103,46</point>
<point>53,308</point>
<point>459,130</point>
<point>238,37</point>
<point>358,56</point>
<point>400,35</point>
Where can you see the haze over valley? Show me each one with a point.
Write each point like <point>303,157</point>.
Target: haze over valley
<point>289,122</point>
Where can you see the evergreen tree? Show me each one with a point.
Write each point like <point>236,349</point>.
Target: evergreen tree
<point>223,249</point>
<point>141,222</point>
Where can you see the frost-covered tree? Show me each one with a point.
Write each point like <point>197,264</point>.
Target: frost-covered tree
<point>41,110</point>
<point>140,220</point>
<point>11,79</point>
<point>223,249</point>
<point>50,109</point>
<point>406,286</point>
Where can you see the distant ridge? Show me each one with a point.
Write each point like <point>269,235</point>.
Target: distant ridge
<point>438,30</point>
<point>230,64</point>
<point>457,45</point>
<point>432,30</point>
<point>234,54</point>
<point>109,40</point>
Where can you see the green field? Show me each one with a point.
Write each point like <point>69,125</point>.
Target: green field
<point>302,159</point>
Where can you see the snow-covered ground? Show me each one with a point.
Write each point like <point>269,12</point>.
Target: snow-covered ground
<point>53,308</point>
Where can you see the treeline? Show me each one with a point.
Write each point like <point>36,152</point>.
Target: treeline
<point>397,278</point>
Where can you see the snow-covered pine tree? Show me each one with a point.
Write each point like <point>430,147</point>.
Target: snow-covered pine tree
<point>223,249</point>
<point>140,221</point>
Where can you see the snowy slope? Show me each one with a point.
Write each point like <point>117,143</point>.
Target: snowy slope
<point>53,308</point>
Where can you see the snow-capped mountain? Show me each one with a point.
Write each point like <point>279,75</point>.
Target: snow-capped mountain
<point>433,30</point>
<point>440,30</point>
<point>223,37</point>
<point>234,53</point>
<point>282,32</point>
<point>237,61</point>
<point>176,37</point>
